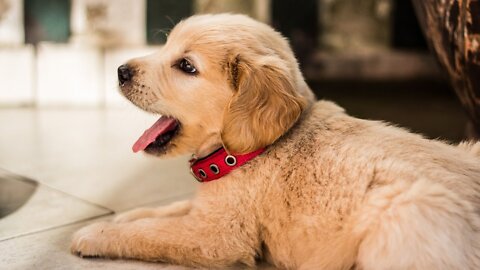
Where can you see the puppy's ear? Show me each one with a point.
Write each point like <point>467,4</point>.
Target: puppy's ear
<point>265,104</point>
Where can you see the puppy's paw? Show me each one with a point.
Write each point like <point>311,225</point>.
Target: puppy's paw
<point>93,241</point>
<point>134,215</point>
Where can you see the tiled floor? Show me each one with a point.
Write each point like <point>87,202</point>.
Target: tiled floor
<point>75,166</point>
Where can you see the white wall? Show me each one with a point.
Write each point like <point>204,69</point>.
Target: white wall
<point>62,75</point>
<point>83,72</point>
<point>17,66</point>
<point>69,75</point>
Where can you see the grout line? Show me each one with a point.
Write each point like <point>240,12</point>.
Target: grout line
<point>42,184</point>
<point>55,227</point>
<point>78,198</point>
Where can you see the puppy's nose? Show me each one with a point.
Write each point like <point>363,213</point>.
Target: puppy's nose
<point>124,74</point>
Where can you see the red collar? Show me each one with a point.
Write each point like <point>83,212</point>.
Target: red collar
<point>218,164</point>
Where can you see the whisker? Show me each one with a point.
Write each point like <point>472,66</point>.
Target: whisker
<point>164,31</point>
<point>170,20</point>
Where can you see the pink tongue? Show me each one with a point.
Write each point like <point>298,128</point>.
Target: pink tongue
<point>162,125</point>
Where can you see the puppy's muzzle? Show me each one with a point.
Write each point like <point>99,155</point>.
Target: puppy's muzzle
<point>125,74</point>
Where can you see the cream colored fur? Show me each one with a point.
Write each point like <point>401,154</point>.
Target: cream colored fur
<point>330,192</point>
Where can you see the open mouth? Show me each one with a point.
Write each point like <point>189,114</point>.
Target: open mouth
<point>157,137</point>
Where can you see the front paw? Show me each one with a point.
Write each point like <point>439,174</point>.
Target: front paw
<point>94,240</point>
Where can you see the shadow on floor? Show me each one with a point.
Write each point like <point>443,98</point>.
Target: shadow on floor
<point>15,191</point>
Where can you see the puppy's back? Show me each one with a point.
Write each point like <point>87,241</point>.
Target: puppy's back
<point>345,177</point>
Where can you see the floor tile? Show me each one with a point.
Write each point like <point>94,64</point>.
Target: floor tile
<point>83,169</point>
<point>87,153</point>
<point>50,250</point>
<point>38,207</point>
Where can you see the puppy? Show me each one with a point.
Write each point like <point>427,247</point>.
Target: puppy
<point>303,185</point>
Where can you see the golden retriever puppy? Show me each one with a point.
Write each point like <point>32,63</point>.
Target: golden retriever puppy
<point>316,189</point>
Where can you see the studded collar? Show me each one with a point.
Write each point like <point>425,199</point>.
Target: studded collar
<point>219,164</point>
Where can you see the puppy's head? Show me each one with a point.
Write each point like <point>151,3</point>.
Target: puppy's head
<point>219,80</point>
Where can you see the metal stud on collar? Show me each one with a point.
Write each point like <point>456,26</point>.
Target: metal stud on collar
<point>230,160</point>
<point>202,173</point>
<point>214,168</point>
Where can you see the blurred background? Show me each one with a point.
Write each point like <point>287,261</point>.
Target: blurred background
<point>369,56</point>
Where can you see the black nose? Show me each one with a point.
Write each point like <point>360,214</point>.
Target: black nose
<point>124,74</point>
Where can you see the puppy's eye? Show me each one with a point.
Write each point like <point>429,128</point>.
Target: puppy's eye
<point>186,66</point>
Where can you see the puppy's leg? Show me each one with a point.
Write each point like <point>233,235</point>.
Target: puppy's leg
<point>188,240</point>
<point>420,226</point>
<point>175,209</point>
